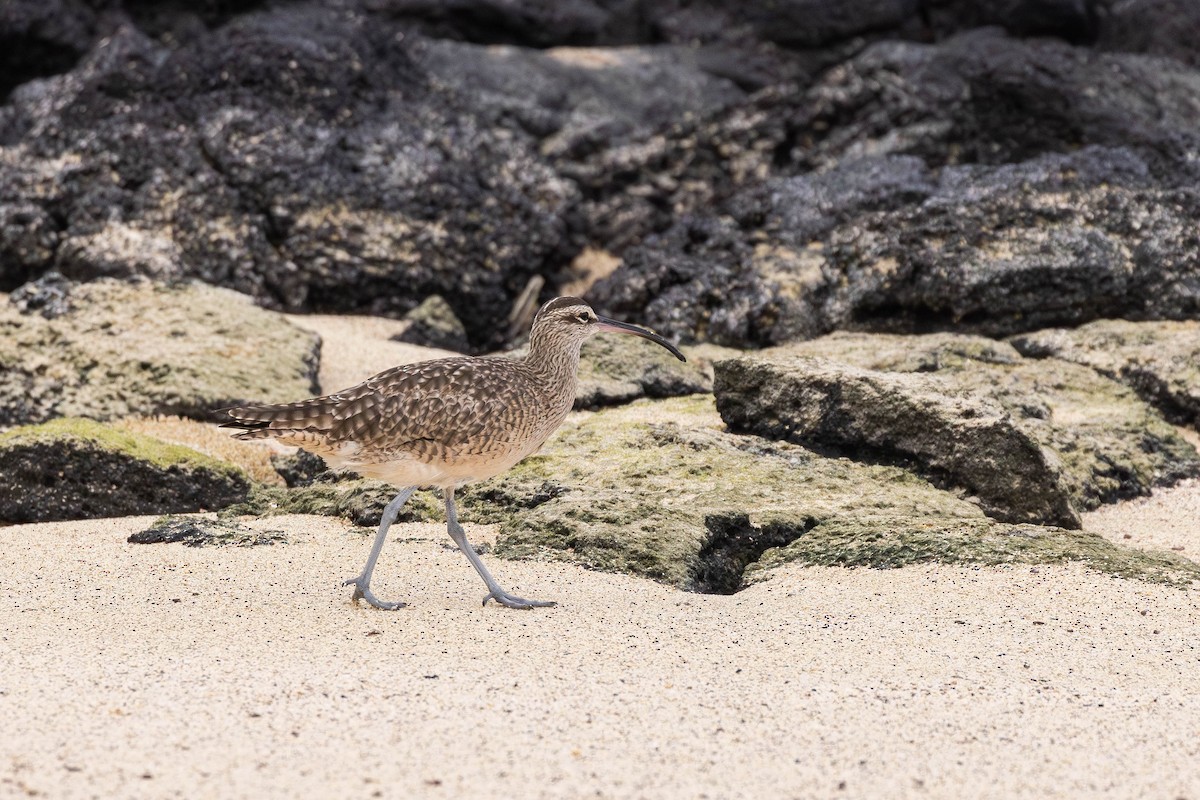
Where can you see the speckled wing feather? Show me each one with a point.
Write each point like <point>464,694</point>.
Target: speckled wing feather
<point>422,408</point>
<point>432,409</point>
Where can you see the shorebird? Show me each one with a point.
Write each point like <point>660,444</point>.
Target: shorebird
<point>445,423</point>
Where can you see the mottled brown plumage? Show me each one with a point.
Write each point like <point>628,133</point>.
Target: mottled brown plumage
<point>444,423</point>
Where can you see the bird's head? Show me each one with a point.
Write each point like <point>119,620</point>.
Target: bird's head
<point>574,320</point>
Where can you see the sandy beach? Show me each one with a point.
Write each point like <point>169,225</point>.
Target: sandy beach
<point>169,671</point>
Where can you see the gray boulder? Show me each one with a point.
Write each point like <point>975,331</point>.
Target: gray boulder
<point>1032,441</point>
<point>111,349</point>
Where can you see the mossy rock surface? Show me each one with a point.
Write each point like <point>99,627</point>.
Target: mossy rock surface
<point>120,349</point>
<point>1036,441</point>
<point>358,500</point>
<point>1160,360</point>
<point>662,489</point>
<point>616,368</point>
<point>80,469</point>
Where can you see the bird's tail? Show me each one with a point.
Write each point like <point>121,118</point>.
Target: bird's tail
<point>285,421</point>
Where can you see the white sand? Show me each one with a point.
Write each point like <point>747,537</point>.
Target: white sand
<point>167,671</point>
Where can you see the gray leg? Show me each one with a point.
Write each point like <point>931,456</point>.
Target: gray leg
<point>362,584</point>
<point>494,591</point>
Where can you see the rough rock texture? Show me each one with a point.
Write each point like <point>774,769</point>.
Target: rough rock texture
<point>616,369</point>
<point>767,172</point>
<point>79,469</point>
<point>1160,360</point>
<point>41,37</point>
<point>1034,441</point>
<point>354,167</point>
<point>659,488</point>
<point>983,183</point>
<point>142,348</point>
<point>890,244</point>
<point>433,324</point>
<point>204,532</point>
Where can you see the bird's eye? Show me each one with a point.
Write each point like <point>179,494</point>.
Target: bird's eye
<point>584,318</point>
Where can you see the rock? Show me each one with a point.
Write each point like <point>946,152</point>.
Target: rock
<point>41,38</point>
<point>359,500</point>
<point>660,489</point>
<point>49,295</point>
<point>533,23</point>
<point>204,532</point>
<point>358,168</point>
<point>891,245</point>
<point>318,172</point>
<point>1033,441</point>
<point>539,24</point>
<point>123,349</point>
<point>79,469</point>
<point>1076,21</point>
<point>1158,27</point>
<point>982,97</point>
<point>617,369</point>
<point>300,468</point>
<point>1159,360</point>
<point>433,324</point>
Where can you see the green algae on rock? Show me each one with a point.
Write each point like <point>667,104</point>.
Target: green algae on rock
<point>123,349</point>
<point>661,489</point>
<point>1160,360</point>
<point>618,369</point>
<point>1037,441</point>
<point>359,500</point>
<point>80,469</point>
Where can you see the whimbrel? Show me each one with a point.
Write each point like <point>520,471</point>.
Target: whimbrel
<point>441,424</point>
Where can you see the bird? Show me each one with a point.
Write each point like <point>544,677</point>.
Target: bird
<point>444,423</point>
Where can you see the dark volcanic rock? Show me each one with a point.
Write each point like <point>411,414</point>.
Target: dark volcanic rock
<point>78,469</point>
<point>534,23</point>
<point>204,532</point>
<point>988,98</point>
<point>301,468</point>
<point>322,171</point>
<point>1159,27</point>
<point>42,37</point>
<point>1076,21</point>
<point>545,23</point>
<point>353,167</point>
<point>888,244</point>
<point>1035,441</point>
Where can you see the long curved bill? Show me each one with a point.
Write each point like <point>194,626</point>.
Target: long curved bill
<point>612,326</point>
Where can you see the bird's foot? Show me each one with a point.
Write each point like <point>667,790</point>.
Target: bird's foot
<point>362,591</point>
<point>511,601</point>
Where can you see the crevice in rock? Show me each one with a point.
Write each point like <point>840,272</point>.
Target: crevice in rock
<point>734,543</point>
